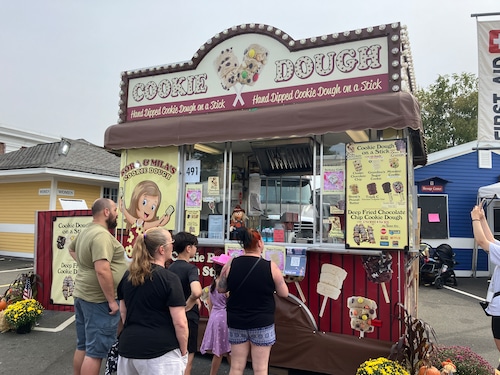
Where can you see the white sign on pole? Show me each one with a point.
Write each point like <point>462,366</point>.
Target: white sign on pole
<point>488,127</point>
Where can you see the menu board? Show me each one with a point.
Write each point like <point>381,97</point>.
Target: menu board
<point>377,195</point>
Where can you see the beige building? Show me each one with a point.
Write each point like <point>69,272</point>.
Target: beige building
<point>50,176</point>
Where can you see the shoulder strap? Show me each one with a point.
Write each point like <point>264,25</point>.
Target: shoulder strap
<point>496,294</point>
<point>249,272</point>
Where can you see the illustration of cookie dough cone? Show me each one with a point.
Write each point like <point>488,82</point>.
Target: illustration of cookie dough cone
<point>379,270</point>
<point>330,283</point>
<point>254,59</point>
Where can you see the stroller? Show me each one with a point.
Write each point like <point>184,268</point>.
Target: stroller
<point>437,266</point>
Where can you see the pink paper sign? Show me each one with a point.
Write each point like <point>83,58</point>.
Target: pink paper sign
<point>434,218</point>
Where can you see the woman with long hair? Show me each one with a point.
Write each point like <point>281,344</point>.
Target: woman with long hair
<point>152,308</point>
<point>251,282</point>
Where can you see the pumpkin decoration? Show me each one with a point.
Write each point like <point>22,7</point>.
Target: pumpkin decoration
<point>428,370</point>
<point>448,368</point>
<point>3,304</point>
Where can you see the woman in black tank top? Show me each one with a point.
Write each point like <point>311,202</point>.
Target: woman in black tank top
<point>251,282</point>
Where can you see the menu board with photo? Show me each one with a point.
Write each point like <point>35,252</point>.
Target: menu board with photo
<point>377,195</point>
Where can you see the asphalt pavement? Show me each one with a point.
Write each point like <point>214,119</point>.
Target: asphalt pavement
<point>453,312</point>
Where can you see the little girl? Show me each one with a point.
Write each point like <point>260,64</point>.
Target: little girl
<point>215,339</point>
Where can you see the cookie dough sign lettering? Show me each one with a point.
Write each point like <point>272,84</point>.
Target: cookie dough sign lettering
<point>177,86</point>
<point>148,166</point>
<point>345,61</point>
<point>311,92</point>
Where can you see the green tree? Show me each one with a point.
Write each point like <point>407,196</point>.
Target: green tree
<point>449,111</point>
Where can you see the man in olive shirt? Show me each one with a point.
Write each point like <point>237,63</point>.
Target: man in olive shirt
<point>101,265</point>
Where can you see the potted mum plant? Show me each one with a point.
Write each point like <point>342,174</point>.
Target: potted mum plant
<point>23,314</point>
<point>465,360</point>
<point>381,366</point>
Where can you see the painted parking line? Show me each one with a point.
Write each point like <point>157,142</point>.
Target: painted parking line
<point>464,293</point>
<point>17,270</point>
<point>59,328</point>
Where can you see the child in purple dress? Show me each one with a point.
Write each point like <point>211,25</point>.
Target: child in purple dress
<point>215,339</point>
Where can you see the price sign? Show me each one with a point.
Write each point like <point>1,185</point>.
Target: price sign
<point>192,171</point>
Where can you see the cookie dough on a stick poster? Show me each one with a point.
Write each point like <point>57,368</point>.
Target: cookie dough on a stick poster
<point>149,182</point>
<point>377,195</point>
<point>64,268</point>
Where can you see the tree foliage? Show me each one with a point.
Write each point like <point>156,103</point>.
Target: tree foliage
<point>449,111</point>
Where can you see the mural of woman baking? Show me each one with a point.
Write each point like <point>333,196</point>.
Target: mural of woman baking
<point>142,212</point>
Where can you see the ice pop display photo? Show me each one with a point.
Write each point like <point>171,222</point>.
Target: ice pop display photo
<point>362,234</point>
<point>379,270</point>
<point>330,283</point>
<point>363,312</point>
<point>386,186</point>
<point>400,145</point>
<point>399,189</point>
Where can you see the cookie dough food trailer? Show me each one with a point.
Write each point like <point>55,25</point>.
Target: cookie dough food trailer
<point>316,140</point>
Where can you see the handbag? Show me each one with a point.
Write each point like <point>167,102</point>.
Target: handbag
<point>484,304</point>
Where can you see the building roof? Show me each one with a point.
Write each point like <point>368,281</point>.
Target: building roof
<point>81,156</point>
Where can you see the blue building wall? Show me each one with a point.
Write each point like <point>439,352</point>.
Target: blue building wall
<point>464,179</point>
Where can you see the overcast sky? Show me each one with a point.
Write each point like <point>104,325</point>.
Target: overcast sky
<point>61,60</point>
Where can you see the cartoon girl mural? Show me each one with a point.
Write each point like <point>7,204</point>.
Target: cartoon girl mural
<point>142,212</point>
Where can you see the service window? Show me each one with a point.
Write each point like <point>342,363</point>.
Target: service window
<point>204,191</point>
<point>332,197</point>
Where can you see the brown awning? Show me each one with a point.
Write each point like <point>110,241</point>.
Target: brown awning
<point>393,110</point>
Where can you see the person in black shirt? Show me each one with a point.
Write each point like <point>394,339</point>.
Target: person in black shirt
<point>185,246</point>
<point>152,307</point>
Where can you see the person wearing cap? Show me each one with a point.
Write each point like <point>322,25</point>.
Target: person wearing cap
<point>251,282</point>
<point>215,339</point>
<point>238,219</point>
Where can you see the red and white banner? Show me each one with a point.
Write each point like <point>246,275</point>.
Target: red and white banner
<point>488,127</point>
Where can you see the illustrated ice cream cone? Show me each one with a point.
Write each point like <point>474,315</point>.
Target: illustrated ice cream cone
<point>330,283</point>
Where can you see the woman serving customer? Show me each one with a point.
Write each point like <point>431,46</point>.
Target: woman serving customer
<point>251,282</point>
